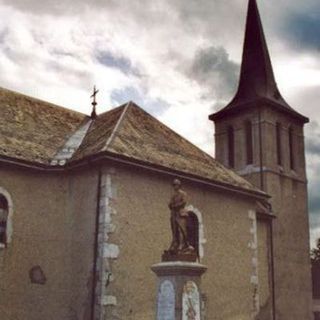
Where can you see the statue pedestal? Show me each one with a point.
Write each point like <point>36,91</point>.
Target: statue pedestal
<point>179,294</point>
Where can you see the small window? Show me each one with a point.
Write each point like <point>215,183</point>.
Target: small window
<point>291,149</point>
<point>279,144</point>
<point>249,144</point>
<point>4,212</point>
<point>231,147</point>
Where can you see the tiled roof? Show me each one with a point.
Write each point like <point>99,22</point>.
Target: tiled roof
<point>35,131</point>
<point>142,137</point>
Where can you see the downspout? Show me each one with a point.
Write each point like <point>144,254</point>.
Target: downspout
<point>262,187</point>
<point>95,248</point>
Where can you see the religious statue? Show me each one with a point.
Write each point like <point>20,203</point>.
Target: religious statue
<point>180,245</point>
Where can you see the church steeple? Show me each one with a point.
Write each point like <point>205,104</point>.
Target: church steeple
<point>259,136</point>
<point>257,82</point>
<point>256,77</point>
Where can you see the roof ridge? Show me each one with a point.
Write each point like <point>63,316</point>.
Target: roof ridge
<point>111,109</point>
<point>72,144</point>
<point>175,132</point>
<point>116,127</point>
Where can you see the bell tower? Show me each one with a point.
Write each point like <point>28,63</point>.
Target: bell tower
<point>261,137</point>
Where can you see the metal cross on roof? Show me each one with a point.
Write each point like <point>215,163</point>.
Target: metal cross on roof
<point>94,103</point>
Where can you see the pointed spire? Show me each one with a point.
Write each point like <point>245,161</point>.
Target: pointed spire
<point>256,76</point>
<point>257,80</point>
<point>94,103</point>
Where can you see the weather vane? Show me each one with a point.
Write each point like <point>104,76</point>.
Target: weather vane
<point>94,103</point>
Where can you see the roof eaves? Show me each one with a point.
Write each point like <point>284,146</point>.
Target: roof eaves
<point>258,194</point>
<point>29,164</point>
<point>147,165</point>
<point>234,108</point>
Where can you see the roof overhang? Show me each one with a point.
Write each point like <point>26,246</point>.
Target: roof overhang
<point>235,108</point>
<point>98,159</point>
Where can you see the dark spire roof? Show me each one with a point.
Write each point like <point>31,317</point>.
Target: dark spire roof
<point>257,81</point>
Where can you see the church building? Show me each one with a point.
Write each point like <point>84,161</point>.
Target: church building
<point>84,205</point>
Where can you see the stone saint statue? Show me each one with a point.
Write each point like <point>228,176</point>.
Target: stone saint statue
<point>179,220</point>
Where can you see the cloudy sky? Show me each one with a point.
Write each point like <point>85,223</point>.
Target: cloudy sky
<point>178,59</point>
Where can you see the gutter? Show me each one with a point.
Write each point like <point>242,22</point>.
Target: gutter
<point>106,155</point>
<point>172,172</point>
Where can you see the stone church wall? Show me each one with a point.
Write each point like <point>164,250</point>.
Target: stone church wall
<point>291,249</point>
<point>143,232</point>
<point>46,270</point>
<point>288,188</point>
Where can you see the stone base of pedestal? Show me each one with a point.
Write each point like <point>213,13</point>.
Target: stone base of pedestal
<point>186,257</point>
<point>179,290</point>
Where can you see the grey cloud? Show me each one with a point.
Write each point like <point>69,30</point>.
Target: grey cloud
<point>197,17</point>
<point>313,145</point>
<point>154,106</point>
<point>53,7</point>
<point>312,139</point>
<point>313,152</point>
<point>120,96</point>
<point>314,202</point>
<point>78,78</point>
<point>143,10</point>
<point>213,69</point>
<point>213,18</point>
<point>306,99</point>
<point>302,28</point>
<point>314,194</point>
<point>3,34</point>
<point>122,63</point>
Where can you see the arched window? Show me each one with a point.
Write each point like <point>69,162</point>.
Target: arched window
<point>291,149</point>
<point>196,230</point>
<point>279,143</point>
<point>231,147</point>
<point>193,231</point>
<point>249,144</point>
<point>4,215</point>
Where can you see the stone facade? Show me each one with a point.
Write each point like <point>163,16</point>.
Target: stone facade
<point>55,230</point>
<point>288,188</point>
<point>143,232</point>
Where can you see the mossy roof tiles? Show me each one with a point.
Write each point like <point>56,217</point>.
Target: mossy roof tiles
<point>142,137</point>
<point>34,131</point>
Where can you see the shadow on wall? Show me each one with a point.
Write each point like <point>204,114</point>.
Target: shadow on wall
<point>265,311</point>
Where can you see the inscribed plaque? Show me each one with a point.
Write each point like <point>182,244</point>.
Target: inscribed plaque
<point>166,301</point>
